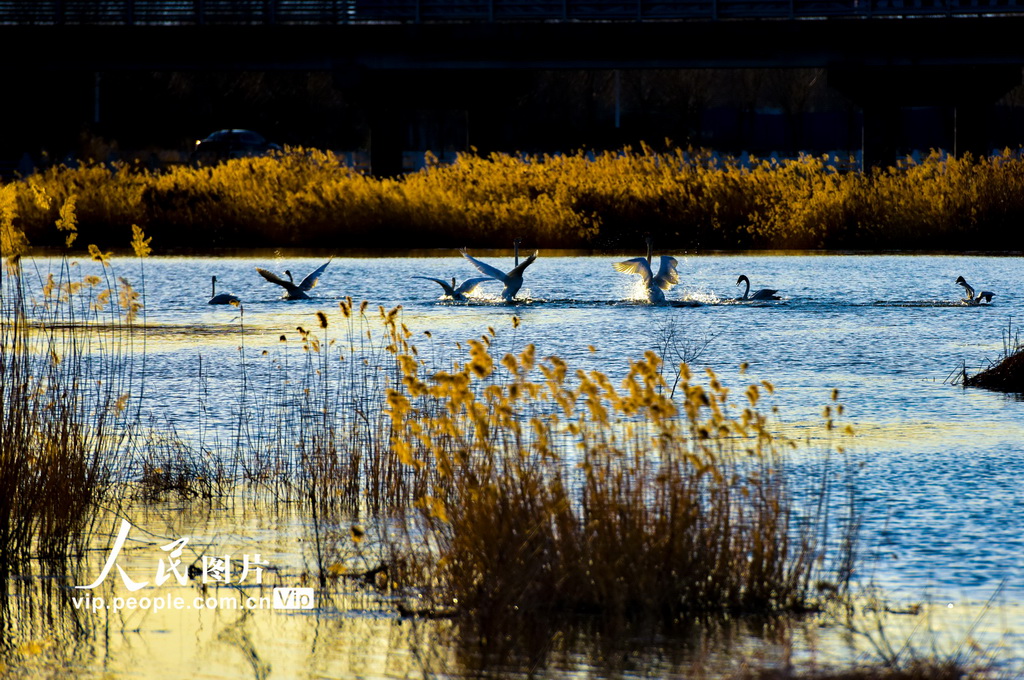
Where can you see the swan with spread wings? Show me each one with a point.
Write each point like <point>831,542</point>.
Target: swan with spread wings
<point>292,290</point>
<point>656,284</point>
<point>513,279</point>
<point>459,292</point>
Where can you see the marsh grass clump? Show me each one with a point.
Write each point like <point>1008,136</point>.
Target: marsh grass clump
<point>558,495</point>
<point>1007,373</point>
<point>168,466</point>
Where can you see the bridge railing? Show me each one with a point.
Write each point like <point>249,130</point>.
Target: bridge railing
<point>328,12</point>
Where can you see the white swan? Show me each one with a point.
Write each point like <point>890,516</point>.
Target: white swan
<point>513,280</point>
<point>460,293</point>
<point>656,285</point>
<point>762,294</point>
<point>223,298</point>
<point>971,298</point>
<point>295,291</point>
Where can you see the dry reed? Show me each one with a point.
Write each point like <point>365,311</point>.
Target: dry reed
<point>570,495</point>
<point>65,381</point>
<point>1007,373</point>
<point>685,197</point>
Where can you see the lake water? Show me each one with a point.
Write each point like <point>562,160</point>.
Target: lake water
<point>938,468</point>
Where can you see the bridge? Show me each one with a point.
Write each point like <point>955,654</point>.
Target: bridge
<point>883,54</point>
<point>333,12</point>
<point>432,34</point>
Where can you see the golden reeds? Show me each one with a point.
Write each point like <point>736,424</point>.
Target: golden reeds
<point>686,197</point>
<point>552,493</point>
<point>64,389</point>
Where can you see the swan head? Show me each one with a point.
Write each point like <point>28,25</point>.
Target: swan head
<point>453,282</point>
<point>961,281</point>
<point>289,275</point>
<point>741,279</point>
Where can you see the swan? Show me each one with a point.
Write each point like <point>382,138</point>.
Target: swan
<point>763,294</point>
<point>971,298</point>
<point>460,293</point>
<point>656,285</point>
<point>513,280</point>
<point>223,298</point>
<point>294,291</point>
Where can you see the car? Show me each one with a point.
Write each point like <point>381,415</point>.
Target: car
<point>223,145</point>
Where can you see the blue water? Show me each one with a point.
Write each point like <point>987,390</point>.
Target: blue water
<point>937,468</point>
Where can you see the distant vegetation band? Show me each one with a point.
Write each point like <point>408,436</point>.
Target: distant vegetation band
<point>686,198</point>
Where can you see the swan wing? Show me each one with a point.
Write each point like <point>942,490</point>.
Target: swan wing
<point>485,268</point>
<point>765,294</point>
<point>667,275</point>
<point>637,265</point>
<point>469,285</point>
<point>310,281</point>
<point>968,289</point>
<point>272,277</point>
<point>444,284</point>
<point>518,271</point>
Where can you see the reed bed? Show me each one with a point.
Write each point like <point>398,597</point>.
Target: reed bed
<point>489,485</point>
<point>559,494</point>
<point>686,197</point>
<point>66,355</point>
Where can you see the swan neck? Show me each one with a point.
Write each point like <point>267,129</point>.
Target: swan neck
<point>746,291</point>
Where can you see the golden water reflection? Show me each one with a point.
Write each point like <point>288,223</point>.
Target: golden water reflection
<point>52,629</point>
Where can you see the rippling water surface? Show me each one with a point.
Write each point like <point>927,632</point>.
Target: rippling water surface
<point>938,468</point>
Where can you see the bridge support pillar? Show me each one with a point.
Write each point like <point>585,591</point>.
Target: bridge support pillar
<point>880,129</point>
<point>967,92</point>
<point>388,132</point>
<point>384,98</point>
